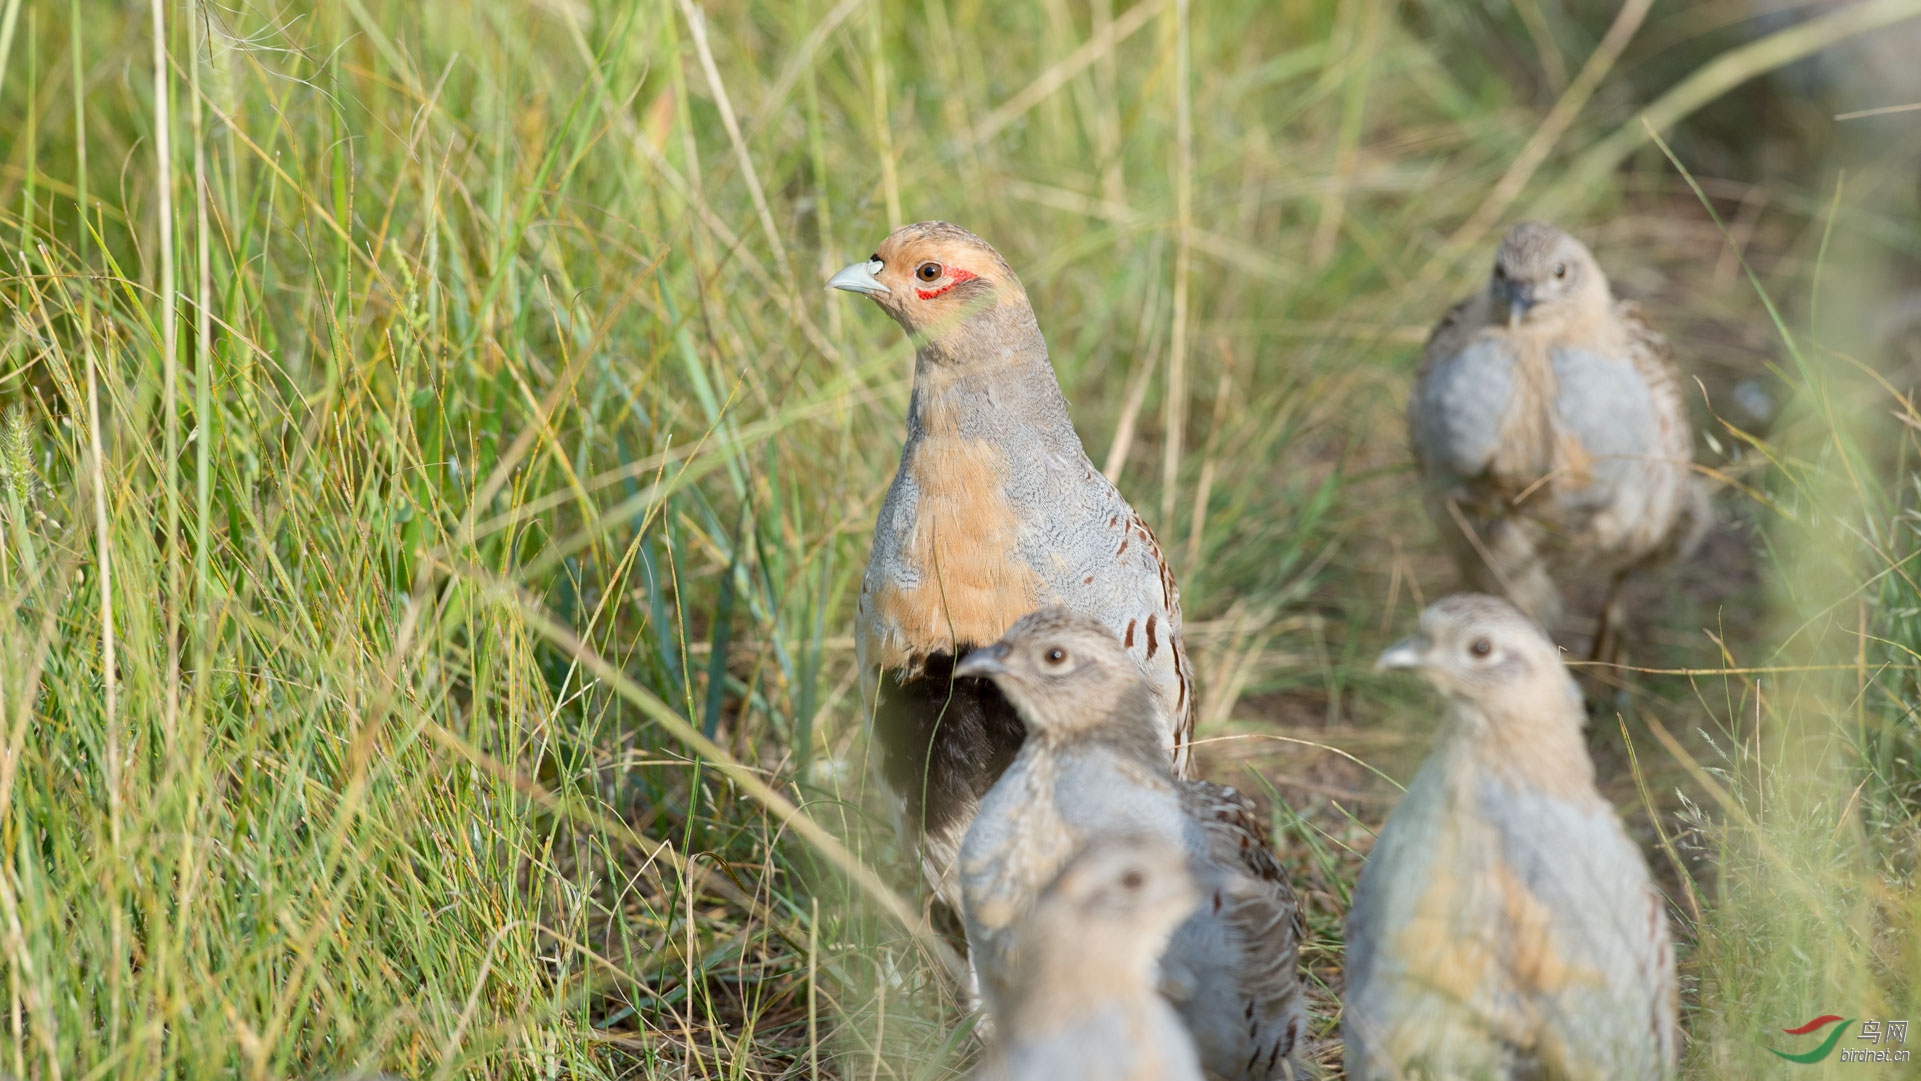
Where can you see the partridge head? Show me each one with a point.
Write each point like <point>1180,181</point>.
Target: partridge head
<point>1543,277</point>
<point>947,288</point>
<point>1515,708</point>
<point>1481,650</point>
<point>1066,673</point>
<point>1085,1004</point>
<point>1109,914</point>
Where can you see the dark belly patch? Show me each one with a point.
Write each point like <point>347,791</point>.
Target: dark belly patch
<point>943,741</point>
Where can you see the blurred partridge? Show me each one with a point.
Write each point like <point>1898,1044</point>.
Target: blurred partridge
<point>1504,925</point>
<point>1094,765</point>
<point>1086,1006</point>
<point>995,511</point>
<point>1548,423</point>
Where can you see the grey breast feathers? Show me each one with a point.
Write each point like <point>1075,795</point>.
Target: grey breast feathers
<point>1460,407</point>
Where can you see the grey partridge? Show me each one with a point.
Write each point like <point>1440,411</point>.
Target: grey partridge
<point>1086,1006</point>
<point>1504,925</point>
<point>1548,423</point>
<point>995,511</point>
<point>1094,766</point>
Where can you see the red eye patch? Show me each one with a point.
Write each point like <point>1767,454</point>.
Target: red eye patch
<point>955,276</point>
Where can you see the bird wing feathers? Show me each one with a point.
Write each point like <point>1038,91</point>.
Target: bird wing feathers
<point>1588,938</point>
<point>1239,957</point>
<point>1654,356</point>
<point>1452,332</point>
<point>1423,985</point>
<point>1651,352</point>
<point>1435,438</point>
<point>1157,643</point>
<point>1238,840</point>
<point>1092,553</point>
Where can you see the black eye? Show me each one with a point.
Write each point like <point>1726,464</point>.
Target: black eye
<point>1056,655</point>
<point>1481,647</point>
<point>928,272</point>
<point>1500,272</point>
<point>1560,270</point>
<point>1132,880</point>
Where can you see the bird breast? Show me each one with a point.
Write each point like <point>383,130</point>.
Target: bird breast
<point>947,553</point>
<point>1495,893</point>
<point>1489,411</point>
<point>1518,411</point>
<point>1632,477</point>
<point>1463,402</point>
<point>1604,402</point>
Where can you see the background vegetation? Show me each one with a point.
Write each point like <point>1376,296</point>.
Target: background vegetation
<point>435,484</point>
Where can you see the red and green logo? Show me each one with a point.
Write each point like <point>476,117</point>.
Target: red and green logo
<point>1827,1045</point>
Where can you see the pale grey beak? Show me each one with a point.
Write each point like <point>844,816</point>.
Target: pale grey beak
<point>859,278</point>
<point>983,662</point>
<point>1519,298</point>
<point>1407,653</point>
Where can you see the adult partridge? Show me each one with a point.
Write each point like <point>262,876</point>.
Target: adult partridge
<point>1504,925</point>
<point>1550,430</point>
<point>1094,766</point>
<point>1086,1006</point>
<point>995,511</point>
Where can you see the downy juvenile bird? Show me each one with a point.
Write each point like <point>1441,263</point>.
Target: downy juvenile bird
<point>1504,926</point>
<point>1093,766</point>
<point>995,511</point>
<point>1086,1006</point>
<point>1550,431</point>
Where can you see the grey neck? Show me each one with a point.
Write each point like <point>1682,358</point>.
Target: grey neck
<point>989,377</point>
<point>1130,729</point>
<point>1541,744</point>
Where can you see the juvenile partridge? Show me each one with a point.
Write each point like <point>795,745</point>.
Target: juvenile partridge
<point>995,511</point>
<point>1504,925</point>
<point>1086,1006</point>
<point>1550,431</point>
<point>1094,765</point>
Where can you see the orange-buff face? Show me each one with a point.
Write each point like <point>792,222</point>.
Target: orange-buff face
<point>931,275</point>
